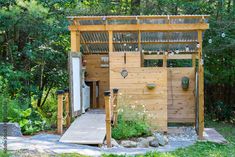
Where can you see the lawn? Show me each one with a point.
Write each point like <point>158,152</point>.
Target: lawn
<point>200,149</point>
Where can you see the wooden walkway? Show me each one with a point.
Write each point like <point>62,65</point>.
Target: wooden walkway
<point>89,128</point>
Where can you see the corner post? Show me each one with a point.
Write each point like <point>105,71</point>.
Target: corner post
<point>67,108</point>
<point>200,86</point>
<point>60,111</point>
<point>110,41</point>
<point>108,118</point>
<point>75,41</point>
<point>115,114</point>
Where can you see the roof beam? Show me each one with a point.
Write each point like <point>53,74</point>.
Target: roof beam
<point>141,27</point>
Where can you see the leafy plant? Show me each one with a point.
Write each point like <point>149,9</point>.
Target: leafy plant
<point>132,120</point>
<point>28,124</point>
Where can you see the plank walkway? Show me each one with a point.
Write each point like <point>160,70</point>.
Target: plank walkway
<point>89,128</point>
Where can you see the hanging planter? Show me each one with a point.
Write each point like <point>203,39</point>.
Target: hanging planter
<point>151,86</point>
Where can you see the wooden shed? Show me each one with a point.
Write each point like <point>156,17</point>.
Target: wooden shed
<point>157,60</point>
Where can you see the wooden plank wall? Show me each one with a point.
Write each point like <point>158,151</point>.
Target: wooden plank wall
<point>95,72</point>
<point>134,85</point>
<point>182,108</point>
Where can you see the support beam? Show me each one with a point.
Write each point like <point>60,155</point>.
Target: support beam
<point>60,94</point>
<point>108,118</point>
<point>141,27</point>
<point>75,41</point>
<point>110,41</point>
<point>67,108</point>
<point>200,86</point>
<point>193,60</point>
<point>164,64</point>
<point>176,56</point>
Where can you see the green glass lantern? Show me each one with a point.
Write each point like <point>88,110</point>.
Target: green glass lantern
<point>185,82</point>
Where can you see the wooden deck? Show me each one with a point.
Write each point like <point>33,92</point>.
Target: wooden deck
<point>89,128</point>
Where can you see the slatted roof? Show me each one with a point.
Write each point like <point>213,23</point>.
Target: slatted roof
<point>157,34</point>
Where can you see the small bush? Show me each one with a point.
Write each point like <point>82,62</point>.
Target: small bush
<point>131,120</point>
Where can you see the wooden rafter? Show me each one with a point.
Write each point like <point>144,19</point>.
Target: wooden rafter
<point>141,27</point>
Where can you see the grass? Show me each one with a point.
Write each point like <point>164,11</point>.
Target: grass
<point>200,149</point>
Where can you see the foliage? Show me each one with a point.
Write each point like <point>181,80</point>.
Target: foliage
<point>132,120</point>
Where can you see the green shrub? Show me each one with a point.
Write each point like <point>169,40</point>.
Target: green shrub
<point>131,120</point>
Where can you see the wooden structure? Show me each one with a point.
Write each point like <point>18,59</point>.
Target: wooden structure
<point>63,99</point>
<point>111,44</point>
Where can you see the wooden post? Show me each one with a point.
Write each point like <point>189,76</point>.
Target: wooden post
<point>108,118</point>
<point>110,41</point>
<point>193,60</point>
<point>60,111</point>
<point>164,60</point>
<point>67,108</point>
<point>75,41</point>
<point>115,107</point>
<point>200,86</point>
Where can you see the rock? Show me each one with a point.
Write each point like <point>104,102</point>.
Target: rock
<point>162,140</point>
<point>13,129</point>
<point>154,143</point>
<point>140,139</point>
<point>114,143</point>
<point>128,143</point>
<point>150,138</point>
<point>144,143</point>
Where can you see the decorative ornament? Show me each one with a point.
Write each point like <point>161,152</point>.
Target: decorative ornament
<point>210,41</point>
<point>223,35</point>
<point>124,73</point>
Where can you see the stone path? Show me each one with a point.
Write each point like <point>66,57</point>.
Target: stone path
<point>49,144</point>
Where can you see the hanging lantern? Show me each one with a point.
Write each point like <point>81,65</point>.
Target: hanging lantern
<point>124,44</point>
<point>158,52</point>
<point>177,51</point>
<point>187,48</point>
<point>198,45</point>
<point>130,47</point>
<point>150,52</point>
<point>223,35</point>
<point>210,41</point>
<point>136,49</point>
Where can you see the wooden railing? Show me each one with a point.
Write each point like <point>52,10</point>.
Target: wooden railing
<point>63,99</point>
<point>111,113</point>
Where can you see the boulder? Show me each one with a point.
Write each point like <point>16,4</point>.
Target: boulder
<point>128,143</point>
<point>154,143</point>
<point>13,129</point>
<point>144,143</point>
<point>162,140</point>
